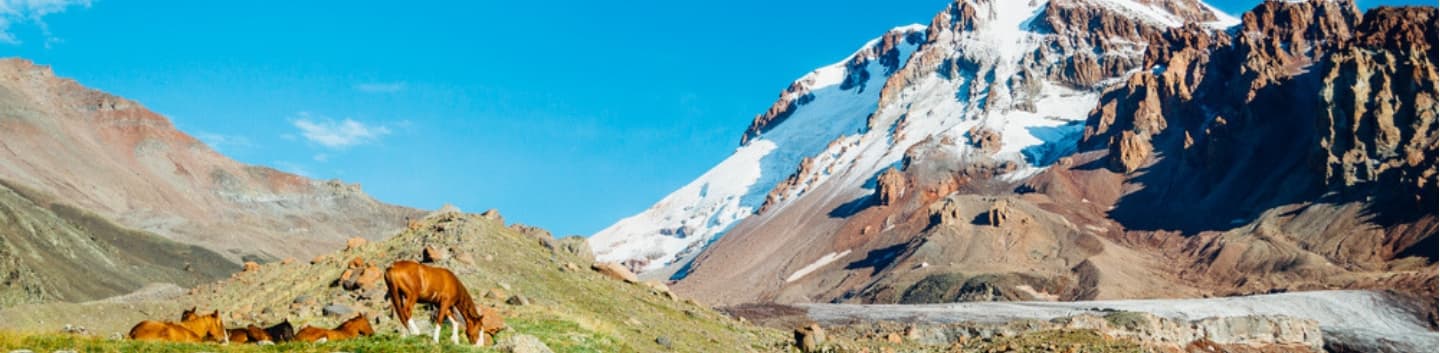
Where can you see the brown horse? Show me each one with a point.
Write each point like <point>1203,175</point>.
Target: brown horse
<point>410,282</point>
<point>249,334</point>
<point>358,326</point>
<point>192,328</point>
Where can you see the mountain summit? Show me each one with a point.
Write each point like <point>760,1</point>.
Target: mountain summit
<point>1078,149</point>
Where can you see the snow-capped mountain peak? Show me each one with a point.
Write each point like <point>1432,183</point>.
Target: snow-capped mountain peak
<point>1003,83</point>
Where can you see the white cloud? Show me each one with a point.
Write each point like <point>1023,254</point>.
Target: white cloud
<point>14,12</point>
<point>321,157</point>
<point>380,87</point>
<point>338,134</point>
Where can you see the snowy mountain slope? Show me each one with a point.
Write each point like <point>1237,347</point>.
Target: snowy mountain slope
<point>981,72</point>
<point>829,102</point>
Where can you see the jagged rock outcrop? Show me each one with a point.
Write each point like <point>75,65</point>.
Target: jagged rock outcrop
<point>890,186</point>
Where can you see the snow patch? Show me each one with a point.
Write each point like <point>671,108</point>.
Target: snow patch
<point>824,260</point>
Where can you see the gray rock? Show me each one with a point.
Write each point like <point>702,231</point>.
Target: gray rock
<point>337,310</point>
<point>577,246</point>
<point>377,293</point>
<point>664,341</point>
<point>522,344</point>
<point>302,299</point>
<point>518,300</point>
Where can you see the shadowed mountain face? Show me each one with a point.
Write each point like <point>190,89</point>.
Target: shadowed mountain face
<point>99,182</point>
<point>1094,149</point>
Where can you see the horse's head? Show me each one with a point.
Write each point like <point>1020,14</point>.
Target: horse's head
<point>473,331</point>
<point>212,327</point>
<point>358,325</point>
<point>208,326</point>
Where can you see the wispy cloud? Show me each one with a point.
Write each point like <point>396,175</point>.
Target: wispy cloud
<point>339,134</point>
<point>14,12</point>
<point>221,142</point>
<point>380,87</point>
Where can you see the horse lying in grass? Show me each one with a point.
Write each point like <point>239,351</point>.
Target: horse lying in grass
<point>279,333</point>
<point>410,282</point>
<point>355,327</point>
<point>192,328</point>
<point>249,334</point>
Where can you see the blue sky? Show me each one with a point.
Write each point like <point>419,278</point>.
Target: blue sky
<point>565,115</point>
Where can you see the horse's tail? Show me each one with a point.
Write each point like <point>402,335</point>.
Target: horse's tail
<point>392,292</point>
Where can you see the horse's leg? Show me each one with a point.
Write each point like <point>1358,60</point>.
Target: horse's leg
<point>403,309</point>
<point>454,330</point>
<point>442,312</point>
<point>409,310</point>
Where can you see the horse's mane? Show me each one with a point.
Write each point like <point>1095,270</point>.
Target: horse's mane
<point>465,303</point>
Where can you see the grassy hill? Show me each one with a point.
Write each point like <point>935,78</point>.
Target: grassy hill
<point>571,308</point>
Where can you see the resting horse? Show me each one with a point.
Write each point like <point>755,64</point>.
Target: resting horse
<point>410,282</point>
<point>355,327</point>
<point>249,334</point>
<point>281,332</point>
<point>192,328</point>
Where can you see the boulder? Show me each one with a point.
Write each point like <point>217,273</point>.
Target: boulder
<point>463,257</point>
<point>577,246</point>
<point>337,310</point>
<point>432,254</point>
<point>518,300</point>
<point>251,266</point>
<point>809,337</point>
<point>615,271</point>
<point>522,344</point>
<point>661,289</point>
<point>495,294</point>
<point>494,215</point>
<point>355,243</point>
<point>369,277</point>
<point>491,321</point>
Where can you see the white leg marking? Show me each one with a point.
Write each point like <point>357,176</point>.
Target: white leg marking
<point>454,331</point>
<point>437,331</point>
<point>414,330</point>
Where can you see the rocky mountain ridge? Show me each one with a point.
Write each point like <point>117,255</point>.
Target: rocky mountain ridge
<point>69,147</point>
<point>1103,149</point>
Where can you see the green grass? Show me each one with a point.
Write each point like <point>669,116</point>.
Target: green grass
<point>380,343</point>
<point>1126,319</point>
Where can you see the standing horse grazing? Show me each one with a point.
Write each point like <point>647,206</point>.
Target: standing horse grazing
<point>410,282</point>
<point>192,328</point>
<point>358,326</point>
